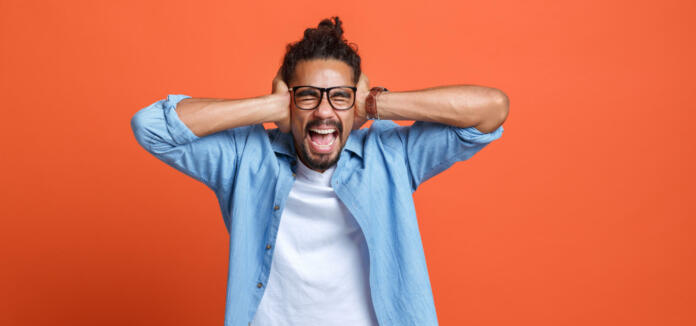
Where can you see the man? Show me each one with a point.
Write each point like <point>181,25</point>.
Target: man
<point>322,225</point>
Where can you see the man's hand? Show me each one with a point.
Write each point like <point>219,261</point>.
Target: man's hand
<point>360,96</point>
<point>281,89</point>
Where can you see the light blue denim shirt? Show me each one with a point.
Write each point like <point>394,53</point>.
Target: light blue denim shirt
<point>251,171</point>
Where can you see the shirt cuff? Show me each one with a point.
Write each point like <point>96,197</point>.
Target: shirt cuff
<point>474,135</point>
<point>180,133</point>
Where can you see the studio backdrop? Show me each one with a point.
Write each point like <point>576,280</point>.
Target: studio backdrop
<point>582,213</point>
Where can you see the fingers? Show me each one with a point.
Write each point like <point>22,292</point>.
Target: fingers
<point>278,85</point>
<point>363,79</point>
<point>279,73</point>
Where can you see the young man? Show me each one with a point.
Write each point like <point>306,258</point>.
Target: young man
<point>322,225</point>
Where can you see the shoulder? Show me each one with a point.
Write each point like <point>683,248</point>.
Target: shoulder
<point>244,132</point>
<point>381,128</point>
<point>382,135</point>
<point>383,125</point>
<point>378,128</point>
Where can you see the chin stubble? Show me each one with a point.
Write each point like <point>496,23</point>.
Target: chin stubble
<point>320,164</point>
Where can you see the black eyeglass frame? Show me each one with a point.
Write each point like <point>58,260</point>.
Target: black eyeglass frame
<point>321,96</point>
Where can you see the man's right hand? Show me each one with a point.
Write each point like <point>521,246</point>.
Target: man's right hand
<point>281,89</point>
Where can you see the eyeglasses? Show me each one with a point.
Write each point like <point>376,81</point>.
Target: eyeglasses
<point>309,97</point>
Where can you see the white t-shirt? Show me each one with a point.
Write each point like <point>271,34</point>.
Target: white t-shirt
<point>320,268</point>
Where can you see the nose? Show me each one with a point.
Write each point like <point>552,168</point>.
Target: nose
<point>324,110</point>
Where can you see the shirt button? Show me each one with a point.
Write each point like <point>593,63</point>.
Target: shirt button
<point>294,175</point>
<point>259,285</point>
<point>276,207</point>
<point>268,246</point>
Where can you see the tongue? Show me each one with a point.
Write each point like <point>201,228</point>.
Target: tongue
<point>321,139</point>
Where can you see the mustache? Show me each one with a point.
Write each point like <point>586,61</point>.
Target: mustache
<point>325,123</point>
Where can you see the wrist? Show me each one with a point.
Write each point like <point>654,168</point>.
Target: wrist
<point>360,105</point>
<point>371,103</point>
<point>278,107</point>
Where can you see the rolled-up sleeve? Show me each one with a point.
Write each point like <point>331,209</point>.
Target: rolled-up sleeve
<point>158,129</point>
<point>159,126</point>
<point>473,135</point>
<point>431,148</point>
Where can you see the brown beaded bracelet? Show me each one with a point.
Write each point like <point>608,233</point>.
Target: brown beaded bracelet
<point>371,102</point>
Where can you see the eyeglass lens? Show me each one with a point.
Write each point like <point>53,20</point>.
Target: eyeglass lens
<point>340,98</point>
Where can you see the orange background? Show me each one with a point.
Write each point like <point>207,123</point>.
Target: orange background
<point>581,214</point>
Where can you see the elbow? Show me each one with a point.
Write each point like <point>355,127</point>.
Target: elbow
<point>503,107</point>
<point>139,127</point>
<point>496,113</point>
<point>137,122</point>
<point>149,131</point>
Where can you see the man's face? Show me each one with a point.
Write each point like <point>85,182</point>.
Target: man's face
<point>320,134</point>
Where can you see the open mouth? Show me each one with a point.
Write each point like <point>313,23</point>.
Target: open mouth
<point>322,139</point>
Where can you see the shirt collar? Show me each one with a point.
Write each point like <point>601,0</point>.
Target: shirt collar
<point>282,143</point>
<point>354,143</point>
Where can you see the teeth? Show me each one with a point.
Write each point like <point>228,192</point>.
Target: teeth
<point>323,131</point>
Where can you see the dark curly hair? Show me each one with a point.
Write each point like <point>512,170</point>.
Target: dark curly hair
<point>324,42</point>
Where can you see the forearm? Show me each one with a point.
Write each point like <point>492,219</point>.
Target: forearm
<point>205,116</point>
<point>462,106</point>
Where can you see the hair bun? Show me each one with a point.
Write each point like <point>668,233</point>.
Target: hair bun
<point>334,26</point>
<point>325,41</point>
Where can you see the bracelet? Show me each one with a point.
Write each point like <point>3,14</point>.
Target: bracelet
<point>371,102</point>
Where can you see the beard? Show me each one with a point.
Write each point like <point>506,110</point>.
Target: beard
<point>320,162</point>
<point>323,162</point>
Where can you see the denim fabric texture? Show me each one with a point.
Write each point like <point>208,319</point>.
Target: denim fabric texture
<point>250,169</point>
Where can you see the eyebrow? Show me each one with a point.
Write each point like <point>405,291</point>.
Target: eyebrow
<point>341,93</point>
<point>305,92</point>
